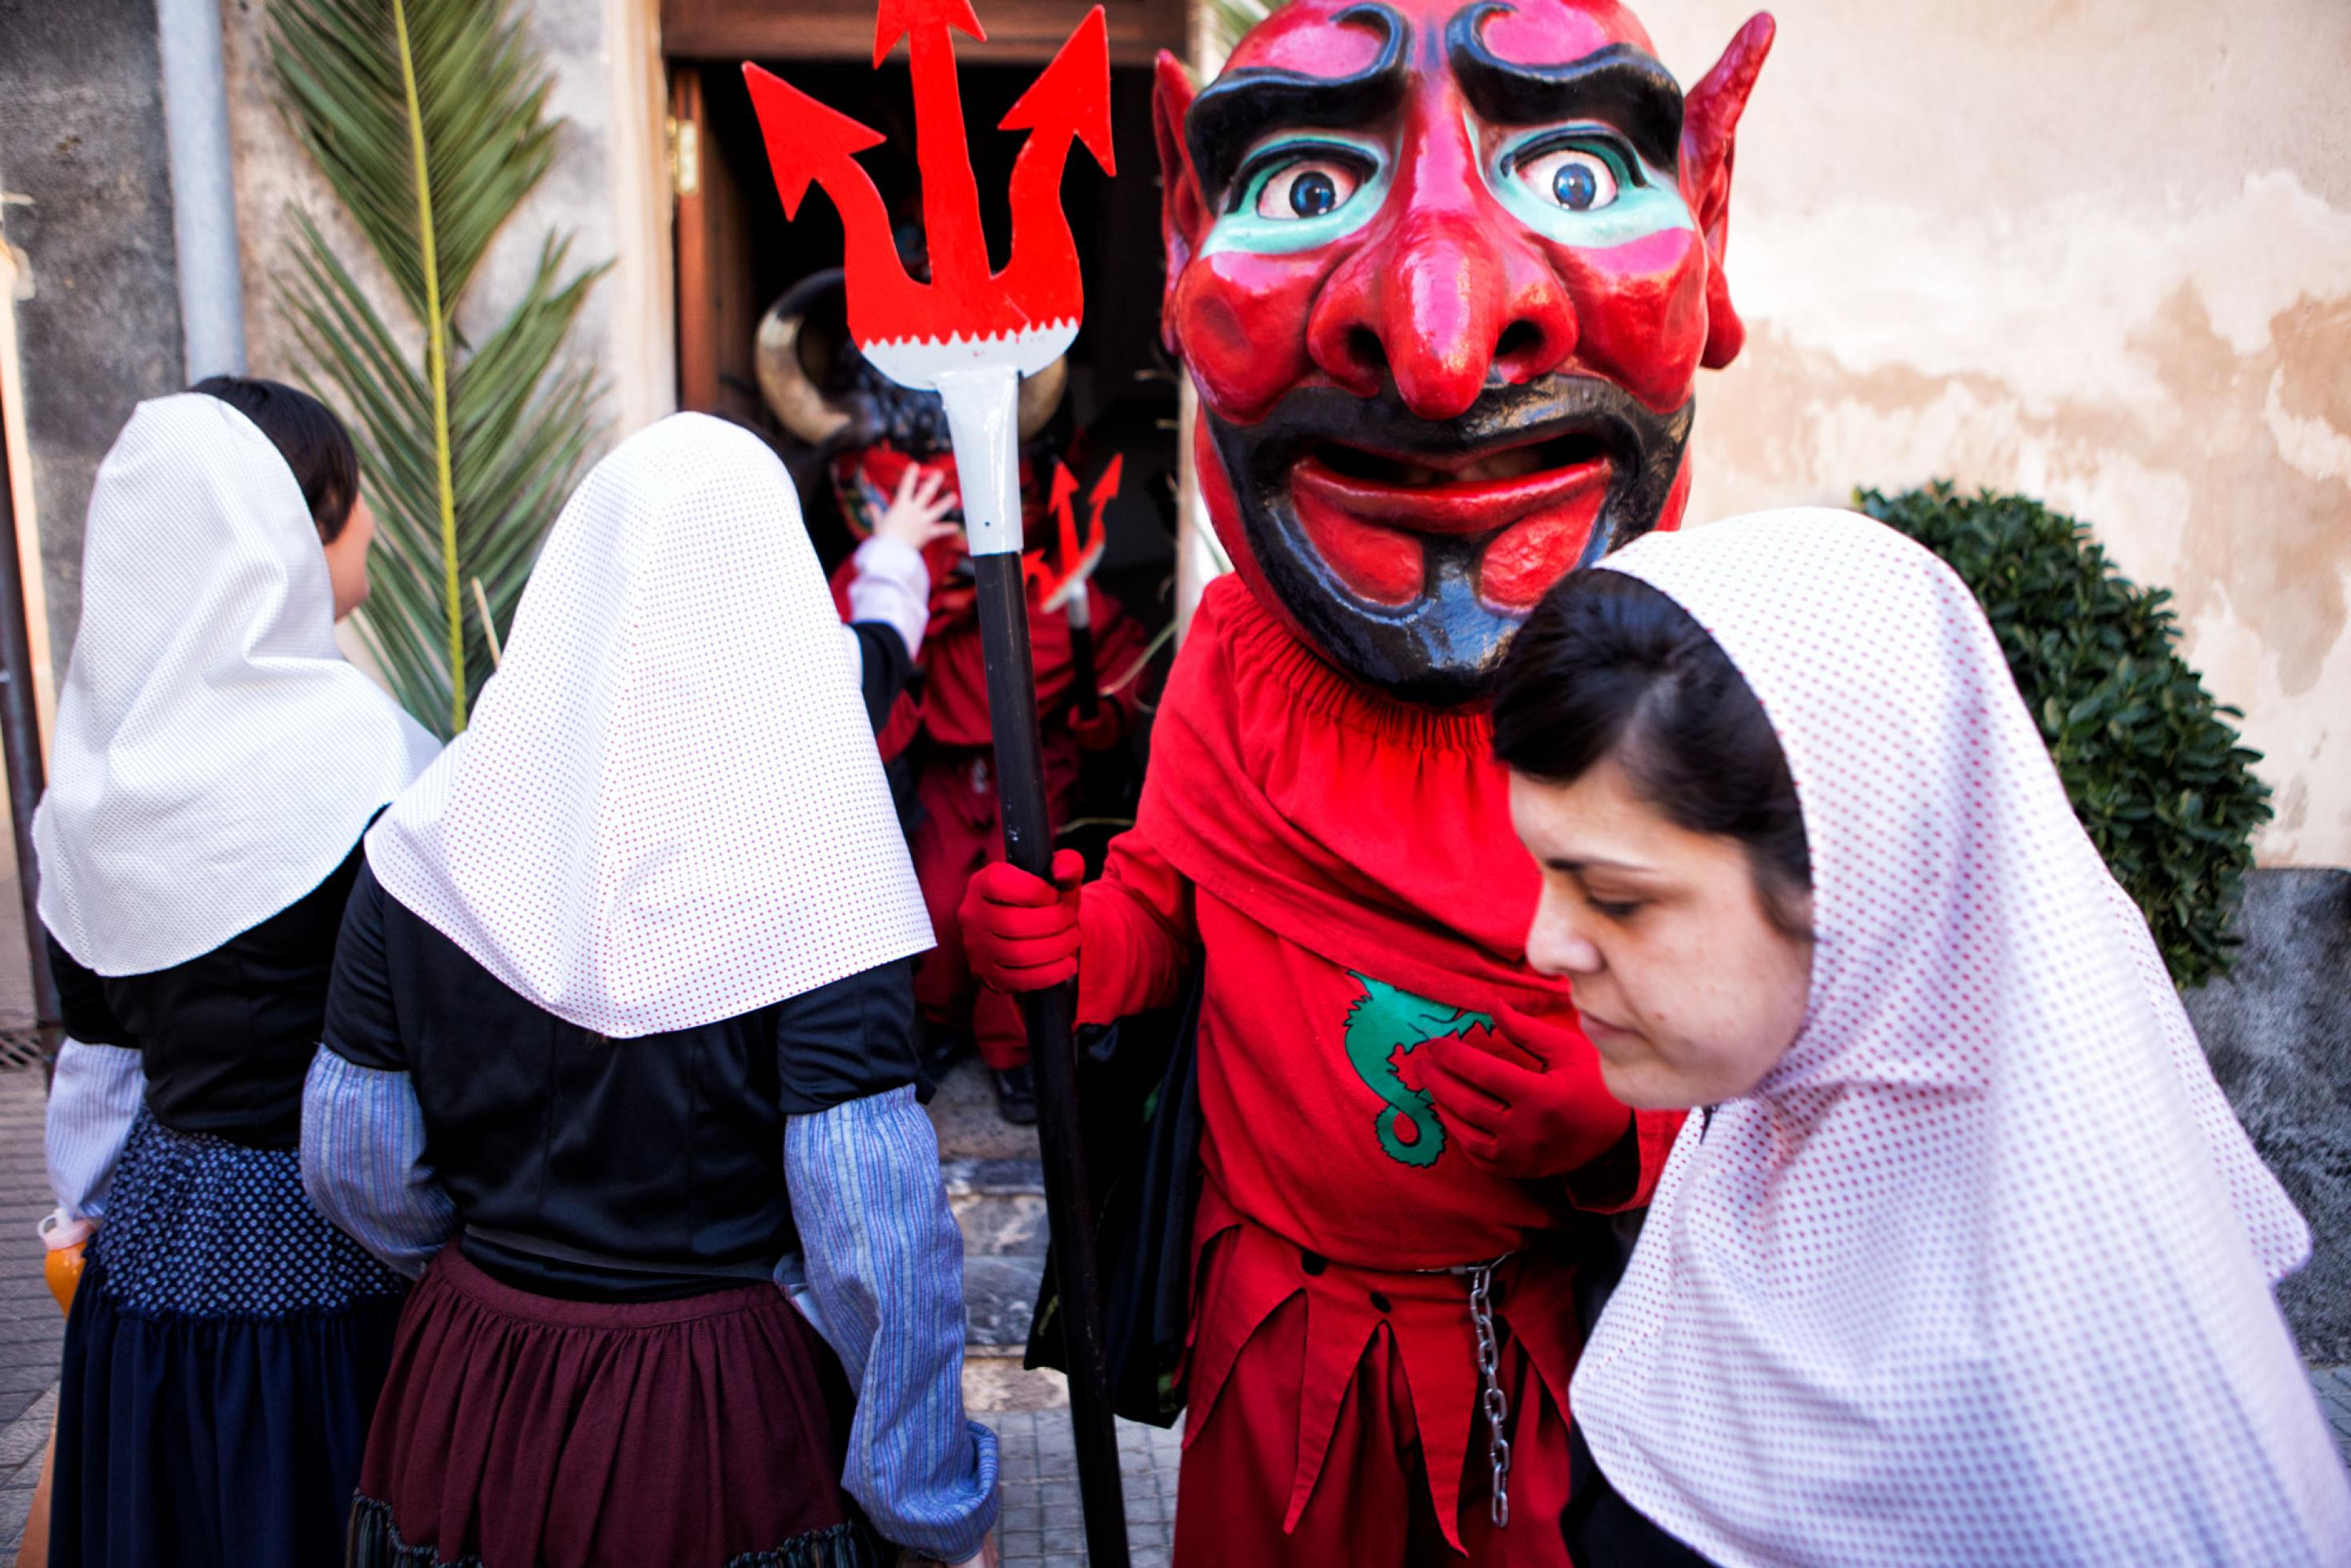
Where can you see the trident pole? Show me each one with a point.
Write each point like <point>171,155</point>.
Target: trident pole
<point>981,407</point>
<point>969,335</point>
<point>1087,681</point>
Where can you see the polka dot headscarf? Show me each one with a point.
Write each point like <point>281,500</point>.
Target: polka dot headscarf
<point>669,808</point>
<point>1982,1271</point>
<point>214,757</point>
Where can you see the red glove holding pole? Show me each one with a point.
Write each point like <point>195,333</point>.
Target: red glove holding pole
<point>1525,1099</point>
<point>1019,933</point>
<point>1100,730</point>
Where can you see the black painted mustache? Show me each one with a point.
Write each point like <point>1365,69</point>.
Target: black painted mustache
<point>1546,409</point>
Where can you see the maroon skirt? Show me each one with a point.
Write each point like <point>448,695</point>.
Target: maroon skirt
<point>520,1429</point>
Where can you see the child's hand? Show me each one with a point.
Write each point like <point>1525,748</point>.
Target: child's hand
<point>916,514</point>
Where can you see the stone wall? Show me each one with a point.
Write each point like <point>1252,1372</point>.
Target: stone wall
<point>2099,253</point>
<point>2278,1031</point>
<point>86,204</point>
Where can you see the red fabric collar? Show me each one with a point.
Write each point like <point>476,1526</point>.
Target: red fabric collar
<point>1371,832</point>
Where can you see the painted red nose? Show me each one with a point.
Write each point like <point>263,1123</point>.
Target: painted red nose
<point>1453,293</point>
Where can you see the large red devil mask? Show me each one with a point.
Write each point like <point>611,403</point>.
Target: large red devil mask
<point>1444,277</point>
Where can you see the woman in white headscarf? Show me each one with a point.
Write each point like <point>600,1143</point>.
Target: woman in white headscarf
<point>621,1051</point>
<point>1966,1260</point>
<point>215,763</point>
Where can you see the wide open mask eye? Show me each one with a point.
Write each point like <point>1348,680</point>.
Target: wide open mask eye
<point>1295,192</point>
<point>1310,188</point>
<point>1574,178</point>
<point>1583,186</point>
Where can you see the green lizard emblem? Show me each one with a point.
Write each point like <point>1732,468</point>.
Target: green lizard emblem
<point>1384,1024</point>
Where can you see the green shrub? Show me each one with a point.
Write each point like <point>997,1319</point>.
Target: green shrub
<point>2155,774</point>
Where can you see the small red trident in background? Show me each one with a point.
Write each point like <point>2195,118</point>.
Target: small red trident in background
<point>970,335</point>
<point>1074,559</point>
<point>1065,589</point>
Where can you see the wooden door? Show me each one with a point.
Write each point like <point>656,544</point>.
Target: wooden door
<point>717,311</point>
<point>1017,30</point>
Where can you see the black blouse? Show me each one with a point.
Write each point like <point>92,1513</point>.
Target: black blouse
<point>604,1169</point>
<point>225,1038</point>
<point>884,670</point>
<point>1603,1530</point>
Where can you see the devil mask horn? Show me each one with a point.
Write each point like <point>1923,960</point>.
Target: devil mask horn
<point>799,352</point>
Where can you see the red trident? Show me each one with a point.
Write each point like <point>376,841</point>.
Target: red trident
<point>970,335</point>
<point>1038,287</point>
<point>1065,589</point>
<point>967,332</point>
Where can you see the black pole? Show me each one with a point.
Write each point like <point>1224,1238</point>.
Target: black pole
<point>20,739</point>
<point>1083,681</point>
<point>1052,1057</point>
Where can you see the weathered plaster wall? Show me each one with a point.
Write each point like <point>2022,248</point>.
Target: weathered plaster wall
<point>86,202</point>
<point>2098,251</point>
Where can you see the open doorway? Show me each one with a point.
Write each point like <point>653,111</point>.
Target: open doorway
<point>737,256</point>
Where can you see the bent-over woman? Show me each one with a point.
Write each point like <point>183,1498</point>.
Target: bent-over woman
<point>215,763</point>
<point>621,1050</point>
<point>1966,1260</point>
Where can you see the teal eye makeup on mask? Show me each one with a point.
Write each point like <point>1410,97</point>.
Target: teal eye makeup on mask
<point>1583,186</point>
<point>1301,191</point>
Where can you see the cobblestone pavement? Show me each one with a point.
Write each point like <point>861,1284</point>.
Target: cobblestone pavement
<point>2334,1386</point>
<point>32,1330</point>
<point>1041,1523</point>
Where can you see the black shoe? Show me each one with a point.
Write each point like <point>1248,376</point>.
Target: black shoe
<point>1016,1095</point>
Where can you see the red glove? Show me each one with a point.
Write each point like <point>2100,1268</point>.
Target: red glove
<point>1100,732</point>
<point>1526,1097</point>
<point>1020,932</point>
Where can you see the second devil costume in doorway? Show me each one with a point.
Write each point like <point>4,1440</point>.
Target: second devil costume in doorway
<point>623,1016</point>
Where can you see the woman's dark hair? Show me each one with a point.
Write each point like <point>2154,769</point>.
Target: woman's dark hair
<point>1608,666</point>
<point>308,435</point>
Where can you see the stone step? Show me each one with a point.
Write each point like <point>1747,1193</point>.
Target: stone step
<point>995,1186</point>
<point>1000,1205</point>
<point>962,1109</point>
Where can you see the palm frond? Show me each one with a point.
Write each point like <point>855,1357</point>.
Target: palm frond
<point>427,117</point>
<point>1229,19</point>
<point>483,98</point>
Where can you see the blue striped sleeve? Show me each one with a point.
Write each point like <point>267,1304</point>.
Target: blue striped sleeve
<point>94,1097</point>
<point>885,1265</point>
<point>363,1162</point>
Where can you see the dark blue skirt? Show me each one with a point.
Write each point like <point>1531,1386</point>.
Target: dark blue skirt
<point>222,1363</point>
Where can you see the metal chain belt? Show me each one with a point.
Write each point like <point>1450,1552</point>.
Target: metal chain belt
<point>1496,1403</point>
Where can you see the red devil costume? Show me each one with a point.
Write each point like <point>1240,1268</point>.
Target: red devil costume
<point>873,430</point>
<point>942,725</point>
<point>1443,277</point>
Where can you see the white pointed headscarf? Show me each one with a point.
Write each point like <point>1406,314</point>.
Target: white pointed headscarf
<point>668,809</point>
<point>214,758</point>
<point>1981,1271</point>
